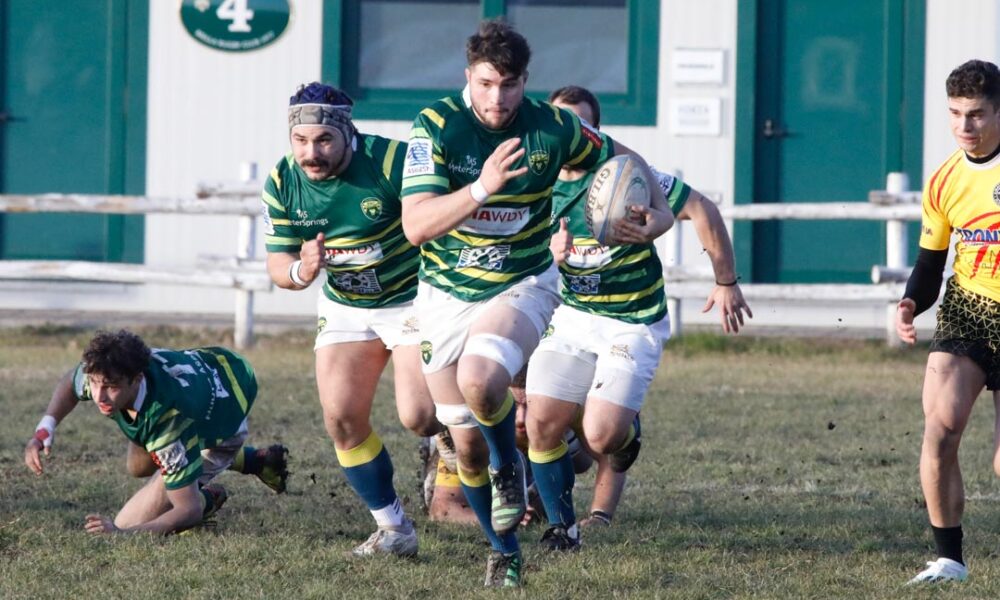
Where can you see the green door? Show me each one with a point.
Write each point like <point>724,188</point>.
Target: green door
<point>837,97</point>
<point>72,100</point>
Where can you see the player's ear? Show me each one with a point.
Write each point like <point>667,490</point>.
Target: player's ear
<point>468,75</point>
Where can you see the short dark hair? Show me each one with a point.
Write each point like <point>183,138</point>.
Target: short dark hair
<point>975,79</point>
<point>574,94</point>
<point>116,355</point>
<point>498,44</point>
<point>320,93</point>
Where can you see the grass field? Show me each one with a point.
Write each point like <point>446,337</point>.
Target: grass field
<point>771,468</point>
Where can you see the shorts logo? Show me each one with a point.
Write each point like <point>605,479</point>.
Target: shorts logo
<point>362,282</point>
<point>411,326</point>
<point>320,325</point>
<point>426,351</point>
<point>584,284</point>
<point>490,258</point>
<point>621,351</point>
<point>538,160</point>
<point>170,459</point>
<point>548,331</point>
<point>372,208</point>
<point>419,158</point>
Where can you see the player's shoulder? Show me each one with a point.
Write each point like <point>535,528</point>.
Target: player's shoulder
<point>283,170</point>
<point>443,114</point>
<point>377,147</point>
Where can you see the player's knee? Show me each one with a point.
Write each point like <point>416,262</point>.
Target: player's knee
<point>543,434</point>
<point>941,438</point>
<point>344,427</point>
<point>421,420</point>
<point>605,440</point>
<point>486,381</point>
<point>139,468</point>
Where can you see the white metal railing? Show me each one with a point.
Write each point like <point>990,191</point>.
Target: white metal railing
<point>239,201</point>
<point>245,273</point>
<point>895,205</point>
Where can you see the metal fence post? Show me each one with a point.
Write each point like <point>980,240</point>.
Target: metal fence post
<point>896,248</point>
<point>673,245</point>
<point>245,251</point>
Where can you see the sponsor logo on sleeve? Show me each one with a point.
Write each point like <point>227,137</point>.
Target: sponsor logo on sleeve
<point>171,459</point>
<point>591,134</point>
<point>268,224</point>
<point>419,158</point>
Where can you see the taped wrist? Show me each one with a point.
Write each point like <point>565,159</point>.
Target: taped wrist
<point>924,284</point>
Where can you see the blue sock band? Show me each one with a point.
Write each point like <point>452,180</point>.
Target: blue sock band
<point>480,500</point>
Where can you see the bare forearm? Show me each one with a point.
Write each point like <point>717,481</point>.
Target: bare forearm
<point>278,264</point>
<point>713,235</point>
<point>63,399</point>
<point>427,216</point>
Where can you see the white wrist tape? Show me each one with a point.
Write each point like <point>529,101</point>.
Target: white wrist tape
<point>45,430</point>
<point>293,274</point>
<point>479,193</point>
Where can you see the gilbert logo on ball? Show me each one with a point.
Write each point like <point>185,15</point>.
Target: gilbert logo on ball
<point>619,183</point>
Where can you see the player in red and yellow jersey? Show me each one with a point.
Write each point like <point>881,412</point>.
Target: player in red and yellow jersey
<point>961,197</point>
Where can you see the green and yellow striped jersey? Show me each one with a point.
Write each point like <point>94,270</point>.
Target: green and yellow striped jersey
<point>190,400</point>
<point>619,282</point>
<point>369,262</point>
<point>507,238</point>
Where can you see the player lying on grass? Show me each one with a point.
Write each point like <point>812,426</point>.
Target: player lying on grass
<point>186,410</point>
<point>603,346</point>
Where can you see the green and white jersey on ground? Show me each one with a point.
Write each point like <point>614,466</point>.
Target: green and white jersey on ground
<point>507,239</point>
<point>190,400</point>
<point>620,282</point>
<point>369,262</point>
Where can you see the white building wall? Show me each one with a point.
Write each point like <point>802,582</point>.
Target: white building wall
<point>210,111</point>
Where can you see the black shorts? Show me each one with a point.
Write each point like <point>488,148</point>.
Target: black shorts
<point>968,324</point>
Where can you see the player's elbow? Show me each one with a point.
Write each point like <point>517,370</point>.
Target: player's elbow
<point>415,234</point>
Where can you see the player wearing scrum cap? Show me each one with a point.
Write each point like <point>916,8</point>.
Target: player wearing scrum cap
<point>603,345</point>
<point>477,192</point>
<point>331,207</point>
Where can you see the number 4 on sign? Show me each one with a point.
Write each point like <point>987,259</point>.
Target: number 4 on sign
<point>237,12</point>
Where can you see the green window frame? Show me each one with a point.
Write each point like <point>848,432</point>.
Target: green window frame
<point>341,66</point>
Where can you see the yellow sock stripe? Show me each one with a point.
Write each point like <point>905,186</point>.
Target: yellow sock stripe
<point>547,456</point>
<point>445,478</point>
<point>628,438</point>
<point>364,452</point>
<point>474,479</point>
<point>240,397</point>
<point>498,416</point>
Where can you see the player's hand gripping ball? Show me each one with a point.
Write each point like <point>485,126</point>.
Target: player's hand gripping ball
<point>618,184</point>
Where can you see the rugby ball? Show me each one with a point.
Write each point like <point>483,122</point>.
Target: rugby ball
<point>618,183</point>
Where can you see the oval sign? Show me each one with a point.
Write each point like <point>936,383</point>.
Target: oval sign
<point>235,25</point>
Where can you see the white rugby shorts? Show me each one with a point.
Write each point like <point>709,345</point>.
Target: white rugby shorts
<point>586,355</point>
<point>217,459</point>
<point>395,325</point>
<point>446,320</point>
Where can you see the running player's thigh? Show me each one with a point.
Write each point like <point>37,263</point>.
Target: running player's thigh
<point>413,398</point>
<point>951,385</point>
<point>347,374</point>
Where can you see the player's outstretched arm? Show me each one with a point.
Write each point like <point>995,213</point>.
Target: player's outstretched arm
<point>186,507</point>
<point>293,271</point>
<point>714,238</point>
<point>427,216</point>
<point>62,403</point>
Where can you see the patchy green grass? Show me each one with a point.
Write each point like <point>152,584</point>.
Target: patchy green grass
<point>771,468</point>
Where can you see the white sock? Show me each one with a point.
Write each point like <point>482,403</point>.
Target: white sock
<point>390,515</point>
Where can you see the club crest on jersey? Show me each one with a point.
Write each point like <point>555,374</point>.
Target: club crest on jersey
<point>538,160</point>
<point>171,459</point>
<point>372,208</point>
<point>426,351</point>
<point>996,194</point>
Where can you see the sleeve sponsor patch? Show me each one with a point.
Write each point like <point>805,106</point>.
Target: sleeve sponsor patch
<point>591,134</point>
<point>666,181</point>
<point>419,158</point>
<point>171,459</point>
<point>268,223</point>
